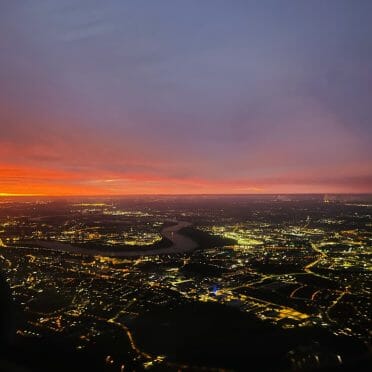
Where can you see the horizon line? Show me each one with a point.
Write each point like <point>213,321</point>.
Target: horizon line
<point>23,195</point>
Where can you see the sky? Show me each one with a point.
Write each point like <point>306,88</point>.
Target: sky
<point>182,97</point>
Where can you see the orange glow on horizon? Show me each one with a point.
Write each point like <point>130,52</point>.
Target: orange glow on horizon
<point>22,181</point>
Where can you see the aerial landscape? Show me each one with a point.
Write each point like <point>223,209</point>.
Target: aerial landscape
<point>197,282</point>
<point>185,185</point>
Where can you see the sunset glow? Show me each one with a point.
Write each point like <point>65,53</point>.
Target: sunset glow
<point>200,99</point>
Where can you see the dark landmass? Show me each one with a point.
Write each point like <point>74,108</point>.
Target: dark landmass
<point>205,240</point>
<point>213,335</point>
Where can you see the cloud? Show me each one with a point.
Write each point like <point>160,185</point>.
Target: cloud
<point>179,97</point>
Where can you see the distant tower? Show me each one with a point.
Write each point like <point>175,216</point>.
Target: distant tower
<point>326,199</point>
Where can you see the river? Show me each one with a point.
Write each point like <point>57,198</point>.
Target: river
<point>181,244</point>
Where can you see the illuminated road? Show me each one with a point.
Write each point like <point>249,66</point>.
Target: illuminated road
<point>320,257</point>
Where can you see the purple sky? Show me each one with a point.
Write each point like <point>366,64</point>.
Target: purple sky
<point>116,97</point>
